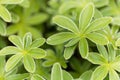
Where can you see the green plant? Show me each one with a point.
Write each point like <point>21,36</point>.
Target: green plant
<point>81,39</point>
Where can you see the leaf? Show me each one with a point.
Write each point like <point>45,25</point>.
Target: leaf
<point>2,64</point>
<point>113,75</point>
<point>86,16</point>
<point>37,77</point>
<point>68,52</point>
<point>96,58</point>
<point>83,47</point>
<point>10,1</point>
<point>27,40</point>
<point>66,75</point>
<point>37,53</point>
<point>9,50</point>
<point>65,23</point>
<point>29,63</point>
<point>25,3</point>
<point>16,41</point>
<point>12,29</point>
<point>56,72</point>
<point>100,73</point>
<point>101,3</point>
<point>37,43</point>
<point>13,61</point>
<point>102,50</point>
<point>60,38</point>
<point>72,42</point>
<point>97,38</point>
<point>37,18</point>
<point>117,43</point>
<point>2,28</point>
<point>17,76</point>
<point>98,24</point>
<point>5,14</point>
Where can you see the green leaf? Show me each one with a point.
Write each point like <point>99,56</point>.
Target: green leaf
<point>83,47</point>
<point>12,29</point>
<point>68,52</point>
<point>9,50</point>
<point>66,75</point>
<point>117,43</point>
<point>96,58</point>
<point>16,40</point>
<point>113,75</point>
<point>56,72</point>
<point>5,14</point>
<point>10,1</point>
<point>100,73</point>
<point>13,61</point>
<point>97,38</point>
<point>60,38</point>
<point>102,50</point>
<point>86,16</point>
<point>17,76</point>
<point>37,53</point>
<point>37,18</point>
<point>25,3</point>
<point>99,24</point>
<point>37,43</point>
<point>2,28</point>
<point>37,77</point>
<point>72,42</point>
<point>101,3</point>
<point>29,63</point>
<point>66,23</point>
<point>2,64</point>
<point>27,40</point>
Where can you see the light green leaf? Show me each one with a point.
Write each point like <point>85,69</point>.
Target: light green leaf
<point>2,64</point>
<point>97,38</point>
<point>113,75</point>
<point>29,63</point>
<point>13,61</point>
<point>66,23</point>
<point>98,24</point>
<point>37,53</point>
<point>68,52</point>
<point>37,18</point>
<point>2,28</point>
<point>37,43</point>
<point>86,16</point>
<point>10,1</point>
<point>37,77</point>
<point>117,43</point>
<point>27,40</point>
<point>83,47</point>
<point>17,76</point>
<point>56,72</point>
<point>9,50</point>
<point>116,21</point>
<point>101,3</point>
<point>60,38</point>
<point>16,40</point>
<point>100,73</point>
<point>66,75</point>
<point>96,58</point>
<point>12,29</point>
<point>25,3</point>
<point>102,50</point>
<point>72,42</point>
<point>5,14</point>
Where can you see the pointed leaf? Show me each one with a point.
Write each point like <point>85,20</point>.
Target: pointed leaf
<point>68,52</point>
<point>29,63</point>
<point>113,75</point>
<point>9,50</point>
<point>98,24</point>
<point>86,16</point>
<point>60,38</point>
<point>83,47</point>
<point>37,77</point>
<point>56,72</point>
<point>96,58</point>
<point>16,41</point>
<point>66,23</point>
<point>66,75</point>
<point>5,14</point>
<point>13,61</point>
<point>97,38</point>
<point>100,73</point>
<point>37,53</point>
<point>37,43</point>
